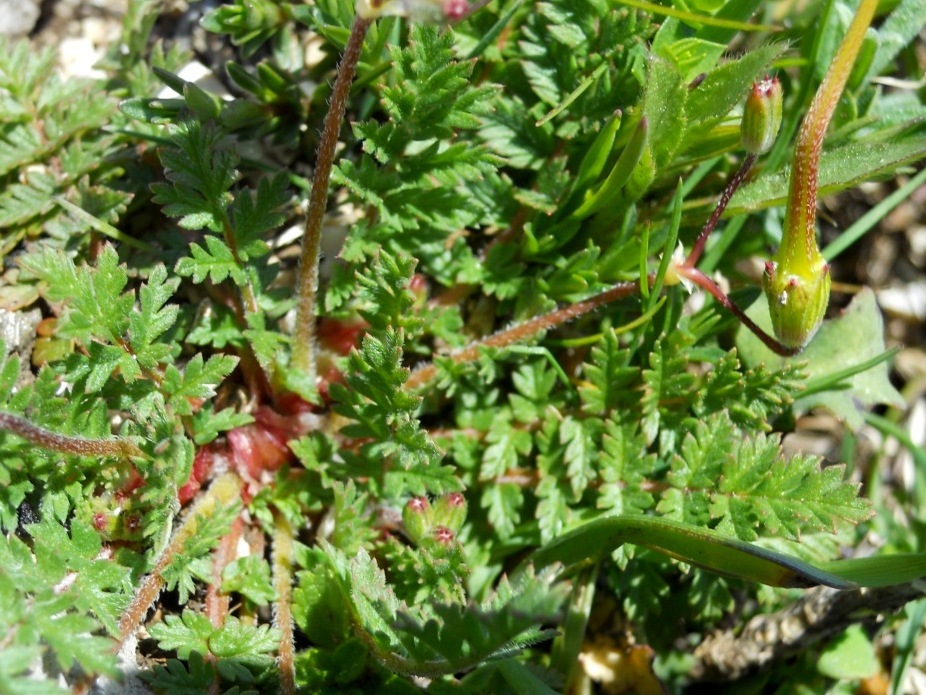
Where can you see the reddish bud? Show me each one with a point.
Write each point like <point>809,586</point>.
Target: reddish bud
<point>450,511</point>
<point>417,517</point>
<point>101,522</point>
<point>443,535</point>
<point>455,9</point>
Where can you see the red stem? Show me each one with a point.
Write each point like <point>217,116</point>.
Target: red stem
<point>115,447</point>
<point>307,285</point>
<point>725,197</point>
<point>705,283</point>
<point>514,334</point>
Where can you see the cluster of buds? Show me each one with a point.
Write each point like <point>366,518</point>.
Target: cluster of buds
<point>434,525</point>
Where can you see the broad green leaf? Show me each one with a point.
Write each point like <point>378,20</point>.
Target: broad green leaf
<point>841,168</point>
<point>665,109</point>
<point>850,656</point>
<point>723,88</point>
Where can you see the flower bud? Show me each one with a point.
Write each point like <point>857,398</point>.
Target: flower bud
<point>422,11</point>
<point>418,518</point>
<point>797,301</point>
<point>444,536</point>
<point>450,511</point>
<point>761,116</point>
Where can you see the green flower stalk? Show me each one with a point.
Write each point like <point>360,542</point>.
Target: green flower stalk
<point>797,281</point>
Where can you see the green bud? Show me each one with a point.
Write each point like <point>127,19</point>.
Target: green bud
<point>797,301</point>
<point>450,511</point>
<point>417,516</point>
<point>761,116</point>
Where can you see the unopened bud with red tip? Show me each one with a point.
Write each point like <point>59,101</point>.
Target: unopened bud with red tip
<point>422,11</point>
<point>417,515</point>
<point>797,300</point>
<point>450,511</point>
<point>761,116</point>
<point>443,536</point>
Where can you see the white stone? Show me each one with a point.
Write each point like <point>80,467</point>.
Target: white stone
<point>18,17</point>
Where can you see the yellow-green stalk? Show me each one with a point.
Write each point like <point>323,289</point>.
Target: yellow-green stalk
<point>797,280</point>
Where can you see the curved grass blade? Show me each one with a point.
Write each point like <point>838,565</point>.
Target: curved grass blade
<point>668,249</point>
<point>879,570</point>
<point>705,19</point>
<point>721,554</point>
<point>610,190</point>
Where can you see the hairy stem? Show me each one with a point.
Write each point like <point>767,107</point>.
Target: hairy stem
<point>522,331</point>
<point>799,244</point>
<point>115,447</point>
<point>283,615</point>
<point>223,492</point>
<point>725,197</point>
<point>307,285</point>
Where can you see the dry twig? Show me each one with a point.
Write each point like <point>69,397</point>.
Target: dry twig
<point>820,613</point>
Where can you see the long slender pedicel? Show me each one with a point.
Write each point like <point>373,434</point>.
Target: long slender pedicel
<point>797,280</point>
